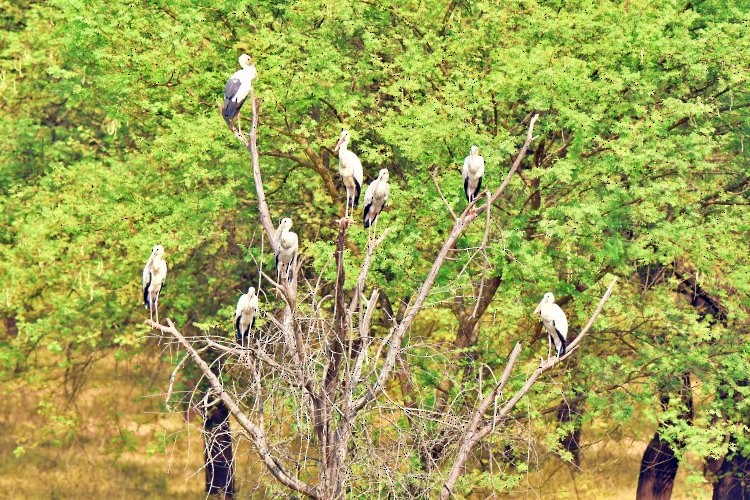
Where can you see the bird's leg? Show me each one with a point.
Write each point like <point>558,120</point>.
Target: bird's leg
<point>239,123</point>
<point>549,347</point>
<point>346,210</point>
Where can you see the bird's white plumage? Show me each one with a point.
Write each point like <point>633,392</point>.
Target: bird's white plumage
<point>350,169</point>
<point>245,76</point>
<point>554,321</point>
<point>376,197</point>
<point>287,245</point>
<point>238,87</point>
<point>247,308</point>
<point>154,276</point>
<point>472,173</point>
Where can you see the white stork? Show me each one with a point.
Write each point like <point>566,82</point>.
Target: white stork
<point>238,87</point>
<point>154,276</point>
<point>554,321</point>
<point>287,245</point>
<point>247,308</point>
<point>375,198</point>
<point>473,172</point>
<point>350,169</point>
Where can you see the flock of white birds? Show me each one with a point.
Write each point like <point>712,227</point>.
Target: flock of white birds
<point>287,242</point>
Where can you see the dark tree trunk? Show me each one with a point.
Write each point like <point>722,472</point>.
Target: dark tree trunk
<point>659,464</point>
<point>658,470</point>
<point>734,479</point>
<point>218,452</point>
<point>571,412</point>
<point>733,472</point>
<point>11,328</point>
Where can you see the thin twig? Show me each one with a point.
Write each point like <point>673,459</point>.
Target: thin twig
<point>440,191</point>
<point>472,436</point>
<point>485,262</point>
<point>257,433</point>
<point>460,225</point>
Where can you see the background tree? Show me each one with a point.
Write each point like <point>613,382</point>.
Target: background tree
<point>109,135</point>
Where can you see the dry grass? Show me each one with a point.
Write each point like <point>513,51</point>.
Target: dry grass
<point>88,467</point>
<point>609,470</point>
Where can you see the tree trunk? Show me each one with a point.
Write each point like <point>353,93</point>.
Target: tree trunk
<point>11,328</point>
<point>734,472</point>
<point>659,464</point>
<point>734,479</point>
<point>572,412</point>
<point>218,452</point>
<point>658,470</point>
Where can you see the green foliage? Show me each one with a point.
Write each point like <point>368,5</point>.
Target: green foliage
<point>110,141</point>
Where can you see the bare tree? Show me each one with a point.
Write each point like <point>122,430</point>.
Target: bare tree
<point>311,385</point>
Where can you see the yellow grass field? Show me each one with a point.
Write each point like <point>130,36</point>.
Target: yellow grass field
<point>87,465</point>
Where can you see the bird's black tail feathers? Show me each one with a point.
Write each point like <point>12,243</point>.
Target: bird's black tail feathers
<point>364,218</point>
<point>146,288</point>
<point>231,108</point>
<point>290,271</point>
<point>466,190</point>
<point>476,191</point>
<point>356,196</point>
<point>563,344</point>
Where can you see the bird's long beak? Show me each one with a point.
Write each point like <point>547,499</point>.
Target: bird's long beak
<point>538,308</point>
<point>338,145</point>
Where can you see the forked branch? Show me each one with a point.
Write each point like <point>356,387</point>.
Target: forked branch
<point>252,147</point>
<point>256,433</point>
<point>474,433</point>
<point>461,224</point>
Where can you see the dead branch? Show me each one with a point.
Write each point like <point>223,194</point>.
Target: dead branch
<point>460,225</point>
<point>359,289</point>
<point>252,148</point>
<point>440,192</point>
<point>256,433</point>
<point>472,436</point>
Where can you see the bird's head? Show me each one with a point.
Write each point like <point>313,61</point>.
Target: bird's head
<point>383,175</point>
<point>245,61</point>
<point>158,251</point>
<point>343,140</point>
<point>251,291</point>
<point>286,223</point>
<point>547,299</point>
<point>474,150</point>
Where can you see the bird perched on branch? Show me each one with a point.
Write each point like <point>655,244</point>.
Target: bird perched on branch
<point>375,198</point>
<point>247,309</point>
<point>238,87</point>
<point>350,169</point>
<point>554,321</point>
<point>154,276</point>
<point>473,172</point>
<point>287,244</point>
